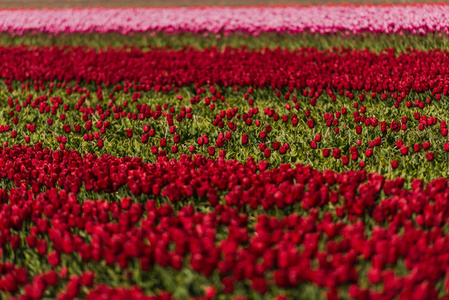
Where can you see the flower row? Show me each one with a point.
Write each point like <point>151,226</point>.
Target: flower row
<point>392,133</point>
<point>340,70</point>
<point>323,19</point>
<point>353,234</point>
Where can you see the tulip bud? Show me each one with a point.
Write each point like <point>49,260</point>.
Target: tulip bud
<point>163,143</point>
<point>144,138</point>
<point>336,153</point>
<point>446,147</point>
<point>176,138</point>
<point>369,152</point>
<point>267,153</point>
<point>310,123</point>
<point>209,292</point>
<point>394,164</point>
<point>404,150</point>
<point>154,150</point>
<point>211,151</point>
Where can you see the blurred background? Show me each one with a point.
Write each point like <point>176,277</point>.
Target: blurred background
<point>162,3</point>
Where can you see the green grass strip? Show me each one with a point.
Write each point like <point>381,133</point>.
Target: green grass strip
<point>146,41</point>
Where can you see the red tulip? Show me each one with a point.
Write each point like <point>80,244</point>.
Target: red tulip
<point>394,164</point>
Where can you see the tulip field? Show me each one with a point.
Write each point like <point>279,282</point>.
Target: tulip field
<point>272,152</point>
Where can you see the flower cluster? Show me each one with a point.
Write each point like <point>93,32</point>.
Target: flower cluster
<point>418,19</point>
<point>341,71</point>
<point>343,119</point>
<point>201,172</point>
<point>354,228</point>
